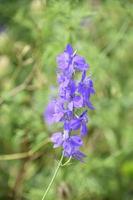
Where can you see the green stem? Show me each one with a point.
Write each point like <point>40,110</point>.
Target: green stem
<point>52,180</point>
<point>66,163</point>
<point>23,155</point>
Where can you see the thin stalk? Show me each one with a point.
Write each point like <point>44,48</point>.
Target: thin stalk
<point>54,176</point>
<point>23,155</point>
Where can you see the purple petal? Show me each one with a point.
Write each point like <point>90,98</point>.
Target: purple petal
<point>83,115</point>
<point>69,49</point>
<point>78,101</point>
<point>80,63</point>
<point>63,81</point>
<point>76,140</point>
<point>70,106</point>
<point>89,104</point>
<point>79,155</point>
<point>75,124</point>
<point>67,148</point>
<point>63,60</point>
<point>59,110</point>
<point>83,76</point>
<point>66,135</point>
<point>57,139</point>
<point>84,129</point>
<point>58,116</point>
<point>49,113</point>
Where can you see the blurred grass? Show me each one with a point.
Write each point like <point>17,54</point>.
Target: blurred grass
<point>32,34</point>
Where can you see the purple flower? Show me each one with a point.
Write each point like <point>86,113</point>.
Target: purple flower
<point>57,139</point>
<point>76,102</point>
<point>80,123</point>
<point>49,113</point>
<point>71,147</point>
<point>59,110</point>
<point>85,88</point>
<point>79,155</point>
<point>80,63</point>
<point>69,50</point>
<point>63,60</point>
<point>72,97</point>
<point>70,144</point>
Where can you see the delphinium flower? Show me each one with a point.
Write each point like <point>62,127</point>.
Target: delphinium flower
<point>71,106</point>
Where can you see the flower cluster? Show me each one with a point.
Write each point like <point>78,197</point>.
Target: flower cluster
<point>70,107</point>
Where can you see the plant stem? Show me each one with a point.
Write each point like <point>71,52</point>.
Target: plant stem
<point>54,176</point>
<point>23,155</point>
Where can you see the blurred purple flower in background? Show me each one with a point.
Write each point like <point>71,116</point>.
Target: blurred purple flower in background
<point>49,113</point>
<point>73,98</point>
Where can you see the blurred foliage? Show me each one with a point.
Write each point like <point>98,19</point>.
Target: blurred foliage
<point>32,34</point>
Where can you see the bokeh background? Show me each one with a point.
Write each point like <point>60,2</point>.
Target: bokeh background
<point>32,34</point>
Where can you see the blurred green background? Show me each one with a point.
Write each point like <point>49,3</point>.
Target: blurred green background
<point>32,34</point>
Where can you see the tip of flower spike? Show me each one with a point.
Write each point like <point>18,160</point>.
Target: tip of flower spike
<point>69,49</point>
